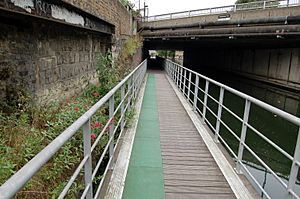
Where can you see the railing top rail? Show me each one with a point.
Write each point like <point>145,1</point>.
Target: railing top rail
<point>174,71</point>
<point>277,111</point>
<point>19,179</point>
<point>233,7</point>
<point>187,11</point>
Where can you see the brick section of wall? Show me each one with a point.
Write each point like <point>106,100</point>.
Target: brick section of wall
<point>110,10</point>
<point>53,61</point>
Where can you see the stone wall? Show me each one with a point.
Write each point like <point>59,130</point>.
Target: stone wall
<point>113,12</point>
<point>52,61</point>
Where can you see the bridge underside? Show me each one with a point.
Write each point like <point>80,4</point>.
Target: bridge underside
<point>258,44</point>
<point>226,43</point>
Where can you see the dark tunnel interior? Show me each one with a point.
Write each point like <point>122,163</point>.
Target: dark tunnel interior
<point>266,69</point>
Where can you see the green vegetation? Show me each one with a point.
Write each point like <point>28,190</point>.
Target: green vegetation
<point>166,54</point>
<point>125,58</point>
<point>252,4</point>
<point>245,1</point>
<point>249,1</point>
<point>127,3</point>
<point>26,129</point>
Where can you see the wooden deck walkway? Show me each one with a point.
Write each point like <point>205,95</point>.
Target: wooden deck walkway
<point>188,167</point>
<point>172,155</point>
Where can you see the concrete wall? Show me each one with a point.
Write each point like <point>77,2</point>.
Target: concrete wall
<point>248,14</point>
<point>277,66</point>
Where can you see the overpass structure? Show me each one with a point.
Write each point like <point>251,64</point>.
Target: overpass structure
<point>172,149</point>
<point>259,40</point>
<point>249,20</point>
<point>176,145</point>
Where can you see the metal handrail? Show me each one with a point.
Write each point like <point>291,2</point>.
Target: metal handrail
<point>224,9</point>
<point>179,76</point>
<point>131,83</point>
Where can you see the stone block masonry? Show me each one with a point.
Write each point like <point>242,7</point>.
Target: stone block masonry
<point>53,58</point>
<point>52,61</point>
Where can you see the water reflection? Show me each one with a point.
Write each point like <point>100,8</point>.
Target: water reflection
<point>278,97</point>
<point>278,130</point>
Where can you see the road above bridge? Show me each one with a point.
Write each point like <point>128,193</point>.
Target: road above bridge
<point>225,22</point>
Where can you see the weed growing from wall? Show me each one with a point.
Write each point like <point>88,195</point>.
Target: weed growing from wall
<point>26,129</point>
<point>125,59</point>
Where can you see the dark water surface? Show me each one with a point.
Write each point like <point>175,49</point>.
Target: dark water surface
<point>280,131</point>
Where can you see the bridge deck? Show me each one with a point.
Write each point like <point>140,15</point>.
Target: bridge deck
<point>182,167</point>
<point>189,169</point>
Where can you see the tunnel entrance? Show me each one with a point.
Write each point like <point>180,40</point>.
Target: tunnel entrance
<point>155,58</point>
<point>265,69</point>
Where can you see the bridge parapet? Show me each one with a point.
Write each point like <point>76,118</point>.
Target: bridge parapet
<point>263,9</point>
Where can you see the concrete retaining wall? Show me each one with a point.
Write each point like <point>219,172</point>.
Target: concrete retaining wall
<point>278,66</point>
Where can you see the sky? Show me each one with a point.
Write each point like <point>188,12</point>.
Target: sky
<point>166,6</point>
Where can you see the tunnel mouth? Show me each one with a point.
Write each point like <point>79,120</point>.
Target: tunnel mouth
<point>155,63</point>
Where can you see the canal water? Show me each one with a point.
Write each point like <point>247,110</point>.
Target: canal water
<point>281,132</point>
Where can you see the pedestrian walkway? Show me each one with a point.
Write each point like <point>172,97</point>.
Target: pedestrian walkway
<point>144,179</point>
<point>169,158</point>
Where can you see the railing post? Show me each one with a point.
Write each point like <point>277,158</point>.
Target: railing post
<point>112,125</point>
<point>264,6</point>
<point>87,152</point>
<point>123,107</point>
<point>196,93</point>
<point>243,136</point>
<point>184,81</point>
<point>139,80</point>
<point>287,3</point>
<point>221,97</point>
<point>171,70</point>
<point>234,9</point>
<point>205,100</point>
<point>174,72</point>
<point>189,86</point>
<point>181,77</point>
<point>295,168</point>
<point>177,81</point>
<point>129,92</point>
<point>134,86</point>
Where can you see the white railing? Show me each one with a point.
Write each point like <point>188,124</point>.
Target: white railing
<point>225,9</point>
<point>127,90</point>
<point>188,83</point>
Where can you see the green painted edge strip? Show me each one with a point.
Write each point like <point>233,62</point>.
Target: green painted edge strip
<point>144,178</point>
